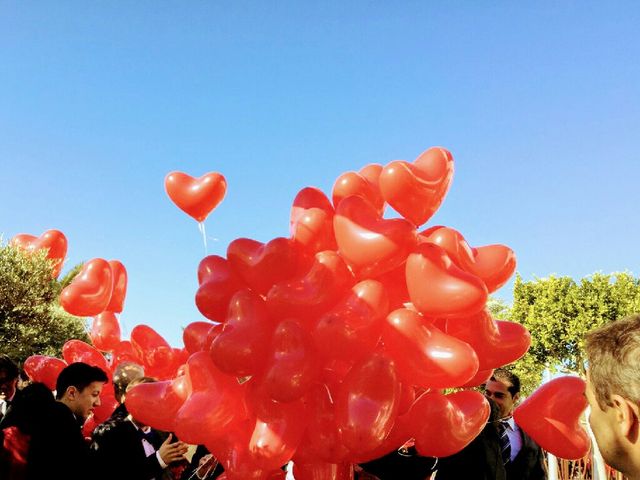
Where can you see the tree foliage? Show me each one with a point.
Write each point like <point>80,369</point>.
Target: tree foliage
<point>559,311</point>
<point>31,319</point>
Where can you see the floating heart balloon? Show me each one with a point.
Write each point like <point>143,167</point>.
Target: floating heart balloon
<point>157,403</point>
<point>218,282</point>
<point>323,471</point>
<point>480,378</point>
<point>78,351</point>
<point>195,336</point>
<point>43,369</point>
<point>108,404</point>
<point>445,424</point>
<point>90,291</point>
<point>124,352</point>
<point>105,332</point>
<point>438,288</point>
<point>311,221</point>
<point>53,241</point>
<point>551,417</point>
<point>151,347</point>
<point>370,244</point>
<point>116,304</point>
<point>426,355</point>
<point>293,367</point>
<point>353,328</point>
<point>416,190</point>
<point>395,283</point>
<point>352,183</point>
<point>242,346</point>
<point>494,264</point>
<point>367,403</point>
<point>315,291</point>
<point>496,343</point>
<point>197,197</point>
<point>262,265</point>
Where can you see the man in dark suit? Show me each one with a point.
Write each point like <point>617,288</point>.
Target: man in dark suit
<point>8,383</point>
<point>523,459</point>
<point>57,448</point>
<point>127,449</point>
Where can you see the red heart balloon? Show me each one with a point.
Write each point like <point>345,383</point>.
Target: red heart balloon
<point>497,343</point>
<point>352,329</point>
<point>90,291</point>
<point>439,288</point>
<point>195,336</point>
<point>315,291</point>
<point>445,424</point>
<point>367,403</point>
<point>242,347</point>
<point>41,368</point>
<point>352,183</point>
<point>116,304</point>
<point>494,264</point>
<point>105,332</point>
<point>293,367</point>
<point>416,190</point>
<point>551,417</point>
<point>323,471</point>
<point>197,197</point>
<point>53,241</point>
<point>108,404</point>
<point>371,245</point>
<point>124,352</point>
<point>480,378</point>
<point>311,221</point>
<point>157,403</point>
<point>426,355</point>
<point>78,351</point>
<point>218,282</point>
<point>262,265</point>
<point>154,350</point>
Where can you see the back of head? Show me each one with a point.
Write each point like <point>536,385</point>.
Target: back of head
<point>8,367</point>
<point>123,375</point>
<point>613,353</point>
<point>78,375</point>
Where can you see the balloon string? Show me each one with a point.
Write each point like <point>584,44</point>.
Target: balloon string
<point>204,236</point>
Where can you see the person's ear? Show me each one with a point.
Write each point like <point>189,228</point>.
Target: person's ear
<point>627,416</point>
<point>516,397</point>
<point>71,393</point>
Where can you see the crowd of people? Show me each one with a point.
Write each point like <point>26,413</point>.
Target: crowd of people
<point>41,435</point>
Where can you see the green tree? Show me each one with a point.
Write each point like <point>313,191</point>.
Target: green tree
<point>31,319</point>
<point>559,311</point>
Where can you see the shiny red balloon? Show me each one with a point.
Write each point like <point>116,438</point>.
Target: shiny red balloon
<point>78,351</point>
<point>445,424</point>
<point>43,369</point>
<point>496,342</point>
<point>262,265</point>
<point>352,183</point>
<point>241,348</point>
<point>367,403</point>
<point>352,329</point>
<point>480,378</point>
<point>551,417</point>
<point>370,244</point>
<point>157,404</point>
<point>494,264</point>
<point>105,332</point>
<point>426,355</point>
<point>154,350</point>
<point>195,336</point>
<point>323,471</point>
<point>395,283</point>
<point>293,366</point>
<point>90,291</point>
<point>313,292</point>
<point>108,404</point>
<point>53,241</point>
<point>416,190</point>
<point>197,197</point>
<point>124,352</point>
<point>218,282</point>
<point>311,221</point>
<point>116,304</point>
<point>439,288</point>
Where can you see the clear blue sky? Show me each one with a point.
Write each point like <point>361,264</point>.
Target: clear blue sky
<point>539,103</point>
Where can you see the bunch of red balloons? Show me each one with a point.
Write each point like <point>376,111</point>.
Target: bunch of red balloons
<point>331,346</point>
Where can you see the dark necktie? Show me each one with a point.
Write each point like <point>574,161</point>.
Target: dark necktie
<point>505,444</point>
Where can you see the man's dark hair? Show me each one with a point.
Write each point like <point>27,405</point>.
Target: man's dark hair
<point>505,376</point>
<point>7,366</point>
<point>79,375</point>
